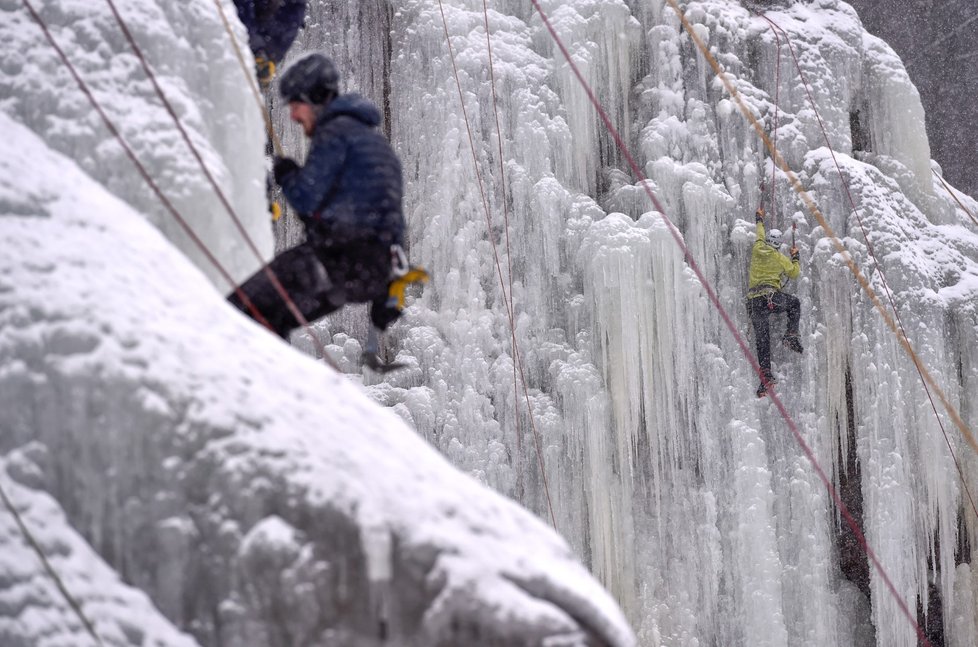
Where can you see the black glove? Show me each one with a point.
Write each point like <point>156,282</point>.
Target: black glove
<point>794,254</point>
<point>759,215</point>
<point>283,166</point>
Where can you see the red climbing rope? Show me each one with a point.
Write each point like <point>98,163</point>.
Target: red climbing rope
<point>139,166</point>
<point>272,277</point>
<point>728,321</point>
<point>507,299</point>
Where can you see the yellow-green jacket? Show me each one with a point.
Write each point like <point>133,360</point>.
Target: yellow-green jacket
<point>767,264</point>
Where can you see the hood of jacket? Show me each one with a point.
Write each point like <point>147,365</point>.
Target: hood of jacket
<point>351,105</point>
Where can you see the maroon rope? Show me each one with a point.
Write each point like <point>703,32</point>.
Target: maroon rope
<point>142,169</point>
<point>269,273</point>
<point>508,303</point>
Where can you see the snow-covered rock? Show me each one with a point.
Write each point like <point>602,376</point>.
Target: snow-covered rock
<point>191,56</point>
<point>34,612</point>
<point>258,497</point>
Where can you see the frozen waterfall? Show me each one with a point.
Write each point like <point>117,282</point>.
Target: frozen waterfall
<point>259,499</point>
<point>688,498</point>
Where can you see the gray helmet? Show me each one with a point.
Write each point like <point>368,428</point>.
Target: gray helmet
<point>312,79</point>
<point>773,237</point>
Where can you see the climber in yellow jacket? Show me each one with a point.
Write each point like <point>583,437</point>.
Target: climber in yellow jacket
<point>769,271</point>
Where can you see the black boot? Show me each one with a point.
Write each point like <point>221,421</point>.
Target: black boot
<point>793,343</point>
<point>767,381</point>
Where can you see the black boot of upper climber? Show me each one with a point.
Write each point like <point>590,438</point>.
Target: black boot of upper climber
<point>793,343</point>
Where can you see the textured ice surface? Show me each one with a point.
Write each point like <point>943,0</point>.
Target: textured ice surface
<point>33,612</point>
<point>190,53</point>
<point>688,498</point>
<point>177,430</point>
<point>258,497</point>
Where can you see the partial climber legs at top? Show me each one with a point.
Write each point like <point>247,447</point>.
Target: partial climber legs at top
<point>272,27</point>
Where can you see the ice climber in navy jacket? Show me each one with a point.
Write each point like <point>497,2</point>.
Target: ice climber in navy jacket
<point>348,195</point>
<point>272,26</point>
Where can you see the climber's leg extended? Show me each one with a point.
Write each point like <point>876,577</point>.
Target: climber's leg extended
<point>305,281</point>
<point>792,306</point>
<point>387,307</point>
<point>760,311</point>
<point>789,304</point>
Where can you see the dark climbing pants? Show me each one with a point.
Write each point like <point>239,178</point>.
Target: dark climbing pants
<point>763,307</point>
<point>319,281</point>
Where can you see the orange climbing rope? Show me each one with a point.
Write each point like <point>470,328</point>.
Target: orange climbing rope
<point>711,293</point>
<point>869,246</point>
<point>774,127</point>
<point>276,144</point>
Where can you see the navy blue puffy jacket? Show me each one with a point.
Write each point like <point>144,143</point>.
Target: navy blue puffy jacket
<point>350,189</point>
<point>272,24</point>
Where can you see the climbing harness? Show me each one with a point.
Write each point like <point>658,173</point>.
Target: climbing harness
<point>766,292</point>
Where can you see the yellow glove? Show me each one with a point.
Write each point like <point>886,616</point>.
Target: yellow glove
<point>265,69</point>
<point>396,289</point>
<point>276,210</point>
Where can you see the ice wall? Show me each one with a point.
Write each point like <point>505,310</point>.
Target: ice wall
<point>687,496</point>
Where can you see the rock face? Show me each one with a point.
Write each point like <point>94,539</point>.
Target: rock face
<point>936,44</point>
